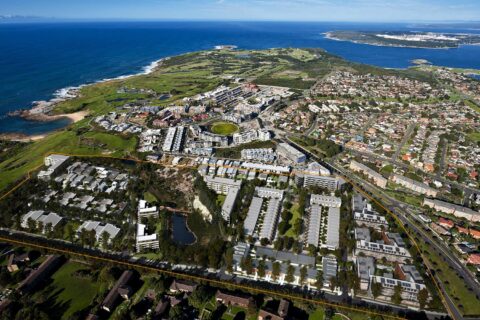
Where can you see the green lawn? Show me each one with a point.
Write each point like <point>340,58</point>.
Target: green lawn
<point>474,136</point>
<point>74,292</point>
<point>317,315</point>
<point>224,128</point>
<point>149,197</point>
<point>295,216</point>
<point>221,199</point>
<point>113,142</point>
<point>456,287</point>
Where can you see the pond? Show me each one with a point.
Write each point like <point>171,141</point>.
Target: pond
<point>180,232</point>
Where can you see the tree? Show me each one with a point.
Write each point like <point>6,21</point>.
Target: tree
<point>261,269</point>
<point>69,232</point>
<point>290,276</point>
<point>229,260</point>
<point>319,280</point>
<point>422,298</point>
<point>353,281</point>
<point>397,294</point>
<point>31,225</point>
<point>105,239</point>
<point>246,264</point>
<point>275,270</point>
<point>40,226</point>
<point>175,312</point>
<point>303,274</point>
<point>264,242</point>
<point>333,283</point>
<point>376,290</point>
<point>48,230</point>
<point>199,297</point>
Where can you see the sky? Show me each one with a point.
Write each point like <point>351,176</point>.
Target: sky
<point>282,10</point>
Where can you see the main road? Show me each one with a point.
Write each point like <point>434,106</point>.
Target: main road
<point>396,208</point>
<point>215,277</point>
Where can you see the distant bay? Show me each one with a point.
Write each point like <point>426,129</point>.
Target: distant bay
<point>38,59</point>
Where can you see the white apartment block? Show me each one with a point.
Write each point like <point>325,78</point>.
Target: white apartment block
<point>145,211</point>
<point>377,178</point>
<point>413,185</point>
<point>145,241</point>
<point>454,209</point>
<point>222,185</point>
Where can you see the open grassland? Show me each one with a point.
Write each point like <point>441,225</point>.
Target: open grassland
<point>465,299</point>
<point>224,128</point>
<point>69,292</point>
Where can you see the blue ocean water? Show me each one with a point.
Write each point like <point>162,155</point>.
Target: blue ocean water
<point>39,58</point>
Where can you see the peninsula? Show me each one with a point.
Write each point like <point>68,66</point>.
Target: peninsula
<point>410,39</point>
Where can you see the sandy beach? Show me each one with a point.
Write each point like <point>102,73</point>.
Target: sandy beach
<point>73,117</point>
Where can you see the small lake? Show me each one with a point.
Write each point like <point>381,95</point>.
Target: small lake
<point>180,232</point>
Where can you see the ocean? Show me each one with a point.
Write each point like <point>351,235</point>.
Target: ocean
<point>39,59</point>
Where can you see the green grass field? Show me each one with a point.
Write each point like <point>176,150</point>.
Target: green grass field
<point>456,287</point>
<point>73,292</point>
<point>295,216</point>
<point>113,142</point>
<point>224,128</point>
<point>475,136</point>
<point>149,197</point>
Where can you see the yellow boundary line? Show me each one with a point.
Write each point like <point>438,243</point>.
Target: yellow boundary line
<point>182,275</point>
<point>200,278</point>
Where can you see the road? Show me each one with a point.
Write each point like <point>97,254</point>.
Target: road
<point>405,138</point>
<point>441,165</point>
<point>215,277</point>
<point>397,209</point>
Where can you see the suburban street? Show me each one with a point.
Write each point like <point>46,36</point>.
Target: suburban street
<point>398,209</point>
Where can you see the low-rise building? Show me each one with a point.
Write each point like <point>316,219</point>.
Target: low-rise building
<point>40,217</point>
<point>121,289</point>
<point>370,219</point>
<point>222,185</point>
<point>380,250</point>
<point>450,208</point>
<point>409,289</point>
<point>414,185</point>
<point>287,151</point>
<point>376,177</point>
<point>54,163</point>
<point>99,228</point>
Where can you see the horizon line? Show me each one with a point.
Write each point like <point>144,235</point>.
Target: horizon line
<point>33,19</point>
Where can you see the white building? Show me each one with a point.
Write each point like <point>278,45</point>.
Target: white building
<point>377,178</point>
<point>454,209</point>
<point>287,151</point>
<point>413,185</point>
<point>145,241</point>
<point>145,211</point>
<point>99,229</point>
<point>41,217</point>
<point>53,163</point>
<point>229,203</point>
<point>222,185</point>
<point>326,201</point>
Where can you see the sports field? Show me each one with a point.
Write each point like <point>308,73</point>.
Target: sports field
<point>224,128</point>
